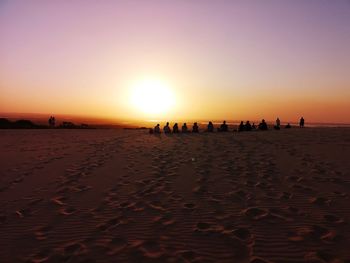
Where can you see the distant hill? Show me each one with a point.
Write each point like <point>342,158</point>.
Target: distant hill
<point>27,124</point>
<point>20,124</point>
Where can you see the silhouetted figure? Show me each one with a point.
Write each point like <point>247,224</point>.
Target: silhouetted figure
<point>247,126</point>
<point>210,127</point>
<point>241,127</point>
<point>288,126</point>
<point>175,128</point>
<point>157,129</point>
<point>195,127</point>
<point>278,122</point>
<point>184,128</point>
<point>223,127</point>
<point>302,122</point>
<point>253,126</point>
<point>166,128</point>
<point>52,122</point>
<point>262,126</point>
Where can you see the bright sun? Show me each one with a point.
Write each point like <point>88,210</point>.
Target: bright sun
<point>152,97</point>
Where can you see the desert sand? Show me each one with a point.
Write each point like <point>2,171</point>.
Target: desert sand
<point>127,196</point>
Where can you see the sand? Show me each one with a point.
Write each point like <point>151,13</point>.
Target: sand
<point>127,196</point>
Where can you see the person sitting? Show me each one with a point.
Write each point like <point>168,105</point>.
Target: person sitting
<point>302,122</point>
<point>175,128</point>
<point>157,129</point>
<point>253,126</point>
<point>278,124</point>
<point>195,127</point>
<point>241,127</point>
<point>247,126</point>
<point>184,128</point>
<point>288,126</point>
<point>166,128</point>
<point>263,125</point>
<point>210,127</point>
<point>223,127</point>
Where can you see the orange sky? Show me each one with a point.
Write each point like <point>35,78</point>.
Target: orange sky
<point>220,59</point>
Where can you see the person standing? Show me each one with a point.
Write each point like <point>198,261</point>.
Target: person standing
<point>278,123</point>
<point>184,128</point>
<point>195,127</point>
<point>302,122</point>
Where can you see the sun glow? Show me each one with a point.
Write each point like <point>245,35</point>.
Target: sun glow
<point>152,97</point>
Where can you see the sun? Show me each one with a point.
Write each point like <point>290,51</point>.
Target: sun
<point>152,97</point>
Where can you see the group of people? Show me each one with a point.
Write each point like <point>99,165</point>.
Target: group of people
<point>223,127</point>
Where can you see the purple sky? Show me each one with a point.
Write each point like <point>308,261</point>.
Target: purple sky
<point>224,59</point>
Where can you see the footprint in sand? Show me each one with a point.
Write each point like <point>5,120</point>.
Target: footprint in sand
<point>23,212</point>
<point>73,249</point>
<point>203,227</point>
<point>314,232</point>
<point>151,249</point>
<point>189,206</point>
<point>67,211</point>
<point>188,255</point>
<point>110,224</point>
<point>59,200</point>
<point>321,256</point>
<point>285,196</point>
<point>321,201</point>
<point>42,256</point>
<point>333,219</point>
<point>258,260</point>
<point>41,232</point>
<point>243,234</point>
<point>255,213</point>
<point>116,245</point>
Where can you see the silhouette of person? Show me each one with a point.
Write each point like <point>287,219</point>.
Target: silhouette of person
<point>195,127</point>
<point>241,127</point>
<point>278,122</point>
<point>166,128</point>
<point>263,125</point>
<point>253,126</point>
<point>184,128</point>
<point>288,126</point>
<point>52,122</point>
<point>175,128</point>
<point>302,122</point>
<point>248,127</point>
<point>210,127</point>
<point>157,129</point>
<point>223,127</point>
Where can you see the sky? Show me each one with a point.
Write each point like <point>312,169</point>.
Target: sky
<point>217,59</point>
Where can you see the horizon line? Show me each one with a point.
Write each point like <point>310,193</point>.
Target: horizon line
<point>121,120</point>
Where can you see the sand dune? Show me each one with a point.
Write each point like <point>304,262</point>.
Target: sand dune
<point>127,196</point>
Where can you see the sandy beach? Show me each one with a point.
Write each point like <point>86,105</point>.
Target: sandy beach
<point>127,196</point>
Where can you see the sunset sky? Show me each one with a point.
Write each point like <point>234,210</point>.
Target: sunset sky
<point>203,59</point>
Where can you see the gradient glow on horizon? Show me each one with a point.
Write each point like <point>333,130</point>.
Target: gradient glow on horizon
<point>222,59</point>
